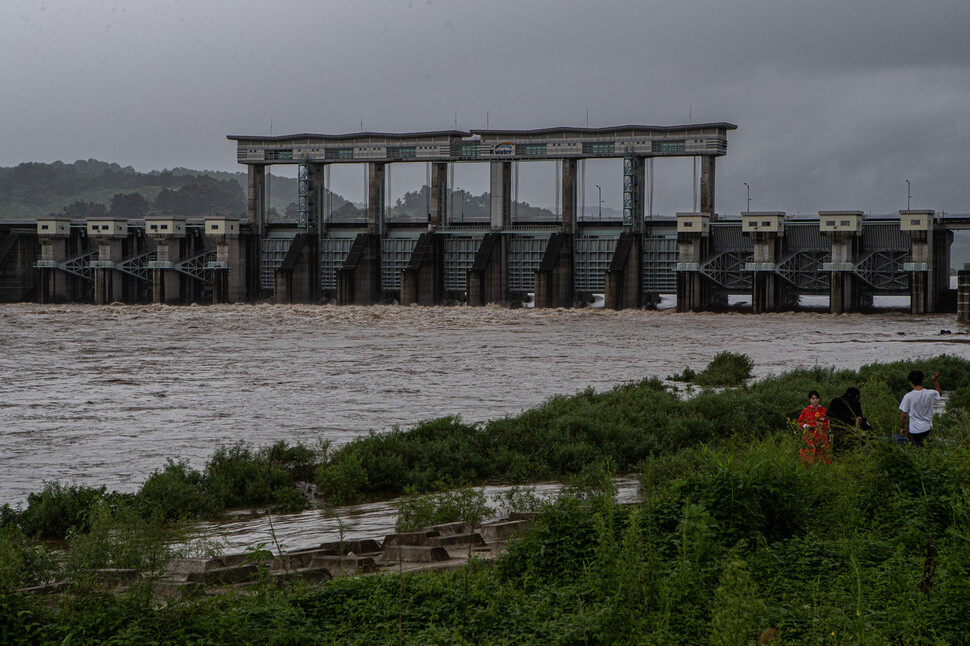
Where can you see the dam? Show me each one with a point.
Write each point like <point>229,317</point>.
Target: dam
<point>439,258</point>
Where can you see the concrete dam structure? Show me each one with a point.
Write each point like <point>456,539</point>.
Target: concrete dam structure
<point>703,259</point>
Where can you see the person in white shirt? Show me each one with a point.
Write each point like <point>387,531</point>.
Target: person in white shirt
<point>917,407</point>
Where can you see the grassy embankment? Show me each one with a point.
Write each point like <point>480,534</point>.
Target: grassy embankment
<point>735,535</point>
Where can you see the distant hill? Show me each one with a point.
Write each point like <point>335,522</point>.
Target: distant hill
<point>89,187</point>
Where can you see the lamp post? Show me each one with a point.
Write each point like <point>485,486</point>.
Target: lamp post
<point>600,216</point>
<point>748,189</point>
<point>908,196</point>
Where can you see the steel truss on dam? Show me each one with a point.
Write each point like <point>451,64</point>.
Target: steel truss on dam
<point>443,257</point>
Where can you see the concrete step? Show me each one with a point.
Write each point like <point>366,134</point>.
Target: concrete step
<point>449,529</point>
<point>346,565</point>
<point>408,538</point>
<point>414,554</point>
<point>471,539</point>
<point>224,576</point>
<point>357,546</point>
<point>503,530</point>
<point>306,575</point>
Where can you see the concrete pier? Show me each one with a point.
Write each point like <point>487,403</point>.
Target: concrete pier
<point>767,233</point>
<point>554,278</point>
<point>229,267</point>
<point>963,295</point>
<point>694,292</point>
<point>19,250</point>
<point>844,229</point>
<point>359,279</point>
<point>111,236</point>
<point>487,282</point>
<point>623,278</point>
<point>422,282</point>
<point>929,262</point>
<point>297,280</point>
<point>169,235</point>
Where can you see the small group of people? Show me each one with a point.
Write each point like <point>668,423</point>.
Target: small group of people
<point>836,428</point>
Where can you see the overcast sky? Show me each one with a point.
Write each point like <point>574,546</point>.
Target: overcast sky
<point>837,102</point>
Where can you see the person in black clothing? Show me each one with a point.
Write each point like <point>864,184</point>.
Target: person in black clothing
<point>846,418</point>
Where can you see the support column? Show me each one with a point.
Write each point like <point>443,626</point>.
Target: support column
<point>554,286</point>
<point>228,270</point>
<point>297,279</point>
<point>359,278</point>
<point>623,278</point>
<point>423,280</point>
<point>375,197</point>
<point>256,204</point>
<point>963,295</point>
<point>500,184</point>
<point>707,186</point>
<point>694,292</point>
<point>487,281</point>
<point>439,194</point>
<point>918,225</point>
<point>168,232</point>
<point>54,235</point>
<point>110,234</point>
<point>844,229</point>
<point>256,228</point>
<point>569,195</point>
<point>767,233</point>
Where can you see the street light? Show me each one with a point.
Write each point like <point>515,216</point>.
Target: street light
<point>907,195</point>
<point>748,188</point>
<point>601,202</point>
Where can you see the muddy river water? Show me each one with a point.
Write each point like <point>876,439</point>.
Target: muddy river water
<point>104,395</point>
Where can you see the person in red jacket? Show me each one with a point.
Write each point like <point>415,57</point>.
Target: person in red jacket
<point>815,429</point>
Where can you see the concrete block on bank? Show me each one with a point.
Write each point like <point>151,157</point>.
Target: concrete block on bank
<point>305,575</point>
<point>449,529</point>
<point>345,565</point>
<point>503,530</point>
<point>471,539</point>
<point>358,546</point>
<point>408,538</point>
<point>117,577</point>
<point>224,576</point>
<point>175,589</point>
<point>414,554</point>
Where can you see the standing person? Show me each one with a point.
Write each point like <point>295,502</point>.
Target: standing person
<point>815,427</point>
<point>845,414</point>
<point>917,408</point>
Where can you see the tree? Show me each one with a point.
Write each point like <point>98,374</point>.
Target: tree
<point>128,206</point>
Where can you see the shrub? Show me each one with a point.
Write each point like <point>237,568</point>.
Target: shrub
<point>59,509</point>
<point>22,563</point>
<point>464,505</point>
<point>726,369</point>
<point>342,481</point>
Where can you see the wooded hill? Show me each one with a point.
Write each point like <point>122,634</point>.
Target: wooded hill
<point>92,188</point>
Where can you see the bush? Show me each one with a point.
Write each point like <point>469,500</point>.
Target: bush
<point>23,564</point>
<point>59,509</point>
<point>462,505</point>
<point>726,369</point>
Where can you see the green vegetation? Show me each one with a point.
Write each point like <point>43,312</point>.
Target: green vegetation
<point>725,369</point>
<point>735,536</point>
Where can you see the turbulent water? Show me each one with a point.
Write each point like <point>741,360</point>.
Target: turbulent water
<point>105,395</point>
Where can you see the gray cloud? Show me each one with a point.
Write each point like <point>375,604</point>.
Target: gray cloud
<point>837,103</point>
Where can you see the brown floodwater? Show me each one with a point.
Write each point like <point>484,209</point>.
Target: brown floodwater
<point>105,395</point>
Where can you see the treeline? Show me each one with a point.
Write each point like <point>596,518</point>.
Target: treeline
<point>93,188</point>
